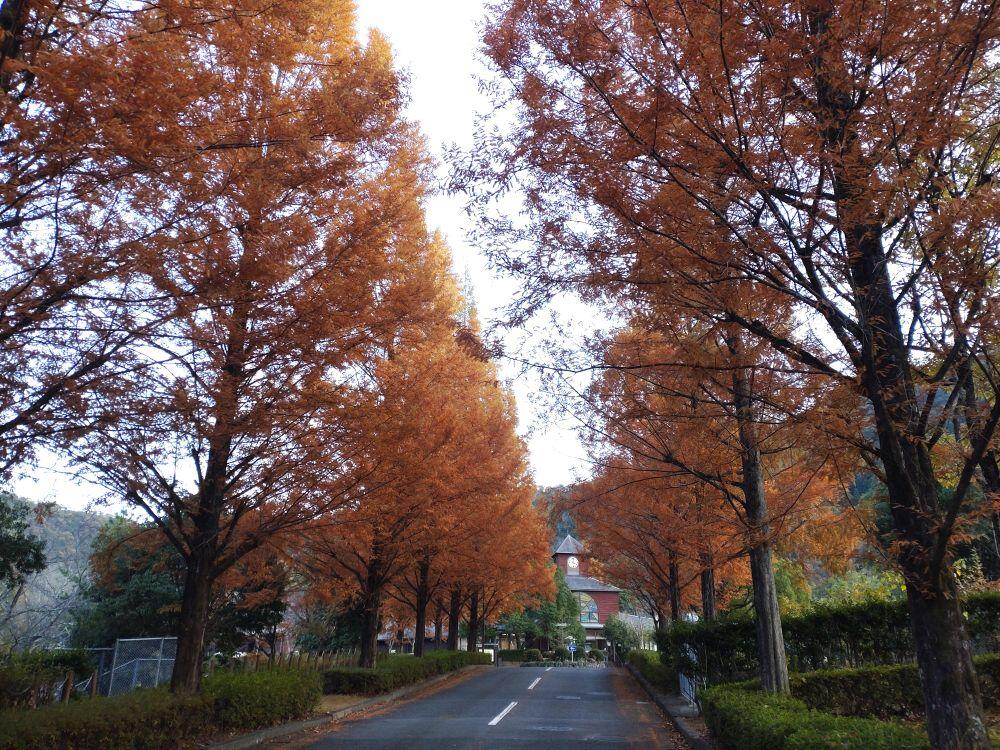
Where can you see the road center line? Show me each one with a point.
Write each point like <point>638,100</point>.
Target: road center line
<point>497,719</point>
<point>548,669</point>
<point>532,685</point>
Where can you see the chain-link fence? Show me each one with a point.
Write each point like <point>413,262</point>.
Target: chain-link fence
<point>103,658</point>
<point>140,662</point>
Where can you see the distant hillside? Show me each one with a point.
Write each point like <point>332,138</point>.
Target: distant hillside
<point>561,523</point>
<point>67,532</point>
<point>40,614</point>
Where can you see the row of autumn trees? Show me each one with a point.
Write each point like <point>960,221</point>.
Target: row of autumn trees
<point>221,303</point>
<point>793,209</point>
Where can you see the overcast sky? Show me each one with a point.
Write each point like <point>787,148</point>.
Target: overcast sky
<point>437,43</point>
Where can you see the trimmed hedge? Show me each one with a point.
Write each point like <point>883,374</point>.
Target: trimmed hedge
<point>553,663</point>
<point>251,700</point>
<point>843,636</point>
<point>156,719</point>
<point>650,665</point>
<point>882,692</point>
<point>521,654</point>
<point>145,719</point>
<point>847,709</point>
<point>512,654</point>
<point>396,671</point>
<point>743,719</point>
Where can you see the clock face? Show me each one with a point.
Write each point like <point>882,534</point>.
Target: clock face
<point>573,563</point>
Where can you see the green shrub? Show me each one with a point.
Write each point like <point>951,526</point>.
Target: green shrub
<point>143,720</point>
<point>750,721</point>
<point>597,654</point>
<point>650,665</point>
<point>744,719</point>
<point>449,661</point>
<point>533,654</point>
<point>396,671</point>
<point>560,653</point>
<point>988,671</point>
<point>853,635</point>
<point>65,659</point>
<point>882,692</point>
<point>355,681</point>
<point>40,673</point>
<point>512,654</point>
<point>826,732</point>
<point>250,700</point>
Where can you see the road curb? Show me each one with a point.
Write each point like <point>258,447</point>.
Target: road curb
<point>696,741</point>
<point>263,735</point>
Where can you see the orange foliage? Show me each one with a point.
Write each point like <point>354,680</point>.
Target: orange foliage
<point>439,468</point>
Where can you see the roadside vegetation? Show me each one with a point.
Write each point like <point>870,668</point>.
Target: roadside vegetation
<point>222,305</point>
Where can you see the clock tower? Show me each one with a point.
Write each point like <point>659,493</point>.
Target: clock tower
<point>571,557</point>
<point>598,600</point>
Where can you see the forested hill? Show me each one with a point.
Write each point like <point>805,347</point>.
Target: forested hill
<point>68,534</point>
<point>40,616</point>
<point>560,522</point>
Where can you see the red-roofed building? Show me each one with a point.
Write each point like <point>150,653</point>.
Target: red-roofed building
<point>598,600</point>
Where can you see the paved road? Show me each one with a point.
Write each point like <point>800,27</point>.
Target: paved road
<point>516,708</point>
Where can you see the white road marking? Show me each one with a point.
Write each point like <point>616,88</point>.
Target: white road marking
<point>532,685</point>
<point>548,669</point>
<point>499,717</point>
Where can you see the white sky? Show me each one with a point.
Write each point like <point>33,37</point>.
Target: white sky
<point>437,42</point>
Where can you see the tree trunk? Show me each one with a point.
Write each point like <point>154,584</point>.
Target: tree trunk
<point>675,589</point>
<point>186,677</point>
<point>951,725</point>
<point>989,469</point>
<point>953,712</point>
<point>953,704</point>
<point>369,632</point>
<point>948,681</point>
<point>438,624</point>
<point>371,609</point>
<point>423,577</point>
<point>996,532</point>
<point>707,587</point>
<point>12,18</point>
<point>454,617</point>
<point>770,641</point>
<point>473,622</point>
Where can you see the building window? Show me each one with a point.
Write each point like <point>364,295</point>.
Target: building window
<point>588,608</point>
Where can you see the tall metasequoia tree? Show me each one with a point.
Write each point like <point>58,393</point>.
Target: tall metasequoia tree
<point>293,198</point>
<point>442,454</point>
<point>838,156</point>
<point>688,409</point>
<point>463,548</point>
<point>504,563</point>
<point>663,540</point>
<point>69,232</point>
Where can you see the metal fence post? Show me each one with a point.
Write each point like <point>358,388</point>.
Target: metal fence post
<point>159,661</point>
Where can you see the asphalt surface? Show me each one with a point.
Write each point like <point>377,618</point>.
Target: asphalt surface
<point>553,709</point>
